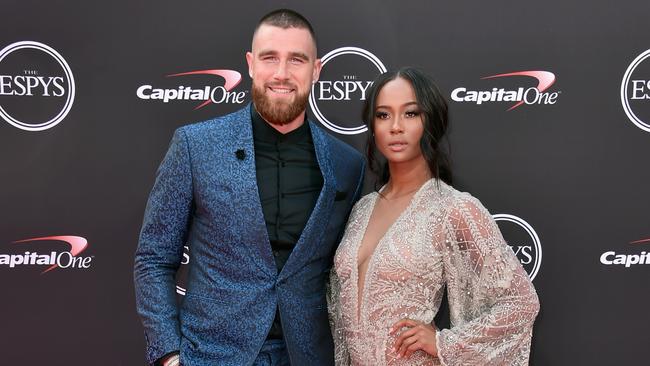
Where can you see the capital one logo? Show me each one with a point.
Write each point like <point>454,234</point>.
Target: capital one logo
<point>53,259</point>
<point>337,97</point>
<point>531,95</point>
<point>523,240</point>
<point>635,91</point>
<point>627,260</point>
<point>203,94</point>
<point>37,88</point>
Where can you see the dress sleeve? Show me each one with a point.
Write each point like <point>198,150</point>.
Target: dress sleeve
<point>492,301</point>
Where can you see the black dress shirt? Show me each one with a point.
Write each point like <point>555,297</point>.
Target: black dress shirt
<point>289,182</point>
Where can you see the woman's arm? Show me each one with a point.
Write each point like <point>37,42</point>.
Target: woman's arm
<point>492,301</point>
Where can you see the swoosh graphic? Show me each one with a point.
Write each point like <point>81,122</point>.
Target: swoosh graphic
<point>544,80</point>
<point>77,244</point>
<point>640,241</point>
<point>232,77</point>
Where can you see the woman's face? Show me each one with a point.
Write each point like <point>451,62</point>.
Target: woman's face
<point>398,122</point>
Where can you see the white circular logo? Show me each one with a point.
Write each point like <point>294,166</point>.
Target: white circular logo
<point>526,244</point>
<point>33,84</point>
<point>636,92</point>
<point>342,85</point>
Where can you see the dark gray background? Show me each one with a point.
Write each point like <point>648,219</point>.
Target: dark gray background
<point>576,171</point>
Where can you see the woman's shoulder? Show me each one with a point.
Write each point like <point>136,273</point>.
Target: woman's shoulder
<point>364,202</point>
<point>455,200</point>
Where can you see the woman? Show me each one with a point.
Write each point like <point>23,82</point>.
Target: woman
<point>416,238</point>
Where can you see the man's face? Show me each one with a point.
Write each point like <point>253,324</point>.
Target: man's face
<point>283,66</point>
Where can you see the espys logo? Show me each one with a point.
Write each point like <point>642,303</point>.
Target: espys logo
<point>523,240</point>
<point>627,260</point>
<point>336,98</point>
<point>37,88</point>
<point>206,94</point>
<point>635,91</point>
<point>53,259</point>
<point>535,95</point>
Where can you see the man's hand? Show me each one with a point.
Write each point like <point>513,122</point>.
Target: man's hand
<point>172,360</point>
<point>419,336</point>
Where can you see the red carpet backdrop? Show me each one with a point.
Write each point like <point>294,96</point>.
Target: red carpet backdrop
<point>550,113</point>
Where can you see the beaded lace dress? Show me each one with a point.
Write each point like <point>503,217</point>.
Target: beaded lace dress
<point>443,239</point>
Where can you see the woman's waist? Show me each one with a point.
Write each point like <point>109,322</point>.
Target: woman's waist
<point>380,322</point>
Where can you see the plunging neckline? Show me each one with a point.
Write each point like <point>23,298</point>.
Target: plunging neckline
<point>361,288</point>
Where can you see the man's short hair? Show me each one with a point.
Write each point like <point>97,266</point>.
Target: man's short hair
<point>286,18</point>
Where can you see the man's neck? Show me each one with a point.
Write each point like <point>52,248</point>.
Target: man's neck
<point>287,127</point>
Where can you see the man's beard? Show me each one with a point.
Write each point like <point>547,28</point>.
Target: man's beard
<point>278,112</point>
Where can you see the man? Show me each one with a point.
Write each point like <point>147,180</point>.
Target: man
<point>261,196</point>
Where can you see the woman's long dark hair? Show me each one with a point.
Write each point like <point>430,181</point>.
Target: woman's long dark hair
<point>433,109</point>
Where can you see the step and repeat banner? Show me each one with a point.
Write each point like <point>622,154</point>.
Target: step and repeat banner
<point>550,116</point>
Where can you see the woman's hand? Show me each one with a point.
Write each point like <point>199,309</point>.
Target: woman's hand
<point>419,336</point>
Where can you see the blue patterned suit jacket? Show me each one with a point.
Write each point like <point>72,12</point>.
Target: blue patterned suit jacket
<point>208,197</point>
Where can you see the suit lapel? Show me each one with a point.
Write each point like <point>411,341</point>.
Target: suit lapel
<point>313,232</point>
<point>251,223</point>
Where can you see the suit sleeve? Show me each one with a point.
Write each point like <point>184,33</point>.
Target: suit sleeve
<point>160,249</point>
<point>356,195</point>
<point>362,174</point>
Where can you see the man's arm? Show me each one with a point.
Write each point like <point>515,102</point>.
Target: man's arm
<point>172,359</point>
<point>362,175</point>
<point>160,249</point>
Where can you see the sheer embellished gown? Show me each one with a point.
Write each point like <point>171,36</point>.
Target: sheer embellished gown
<point>443,240</point>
